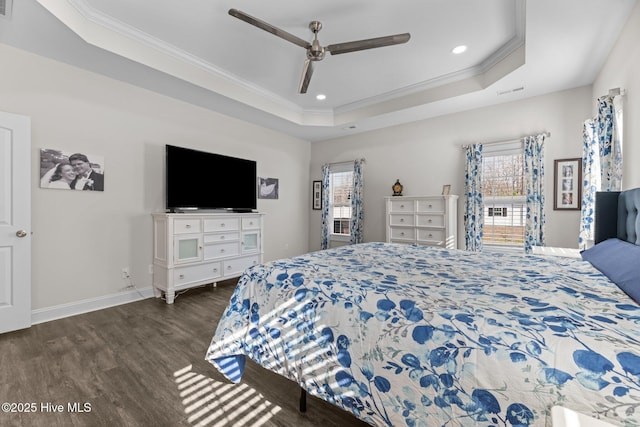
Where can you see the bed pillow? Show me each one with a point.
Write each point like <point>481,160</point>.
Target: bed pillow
<point>620,262</point>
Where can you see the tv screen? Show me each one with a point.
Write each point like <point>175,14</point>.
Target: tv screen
<point>201,180</point>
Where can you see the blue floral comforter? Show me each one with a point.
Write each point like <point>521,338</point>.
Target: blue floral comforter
<point>423,336</point>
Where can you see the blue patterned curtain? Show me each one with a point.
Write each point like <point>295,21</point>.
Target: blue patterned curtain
<point>357,211</point>
<point>534,189</point>
<point>326,175</point>
<point>601,162</point>
<point>473,209</point>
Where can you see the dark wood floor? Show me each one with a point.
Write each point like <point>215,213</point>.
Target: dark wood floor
<point>142,364</point>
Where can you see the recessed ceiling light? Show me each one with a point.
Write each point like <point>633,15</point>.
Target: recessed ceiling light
<point>321,97</point>
<point>459,49</point>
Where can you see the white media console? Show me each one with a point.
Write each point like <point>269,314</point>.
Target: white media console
<point>193,249</point>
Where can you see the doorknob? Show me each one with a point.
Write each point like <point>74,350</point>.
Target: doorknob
<point>21,233</point>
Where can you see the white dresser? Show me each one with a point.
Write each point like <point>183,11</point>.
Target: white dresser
<point>196,249</point>
<point>429,220</point>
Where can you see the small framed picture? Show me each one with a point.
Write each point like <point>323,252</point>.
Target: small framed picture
<point>446,189</point>
<point>316,195</point>
<point>268,188</point>
<point>567,184</point>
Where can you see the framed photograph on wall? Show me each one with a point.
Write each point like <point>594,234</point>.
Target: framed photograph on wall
<point>268,188</point>
<point>567,184</point>
<point>316,196</point>
<point>71,171</point>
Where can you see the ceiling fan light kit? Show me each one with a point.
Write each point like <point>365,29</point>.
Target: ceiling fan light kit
<point>315,51</point>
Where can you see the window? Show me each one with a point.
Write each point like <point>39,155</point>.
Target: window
<point>497,211</point>
<point>341,188</point>
<point>504,199</point>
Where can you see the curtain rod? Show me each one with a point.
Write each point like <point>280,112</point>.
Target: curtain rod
<point>505,141</point>
<point>348,162</point>
<point>617,92</point>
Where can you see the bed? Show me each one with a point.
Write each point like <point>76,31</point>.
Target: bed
<point>415,335</point>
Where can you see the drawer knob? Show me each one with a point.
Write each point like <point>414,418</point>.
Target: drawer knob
<point>188,226</point>
<point>402,233</point>
<point>221,237</point>
<point>228,267</point>
<point>430,206</point>
<point>181,276</point>
<point>402,206</point>
<point>222,225</point>
<point>215,269</point>
<point>221,250</point>
<point>430,235</point>
<point>430,220</point>
<point>250,222</point>
<point>401,219</point>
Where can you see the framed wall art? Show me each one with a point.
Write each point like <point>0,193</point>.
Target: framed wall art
<point>71,171</point>
<point>268,188</point>
<point>567,184</point>
<point>316,195</point>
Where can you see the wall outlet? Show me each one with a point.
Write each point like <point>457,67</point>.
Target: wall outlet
<point>150,269</point>
<point>125,273</point>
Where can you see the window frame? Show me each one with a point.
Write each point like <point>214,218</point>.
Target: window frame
<point>511,148</point>
<point>335,169</point>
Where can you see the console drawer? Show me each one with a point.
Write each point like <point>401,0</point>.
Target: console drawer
<point>196,273</point>
<point>187,225</point>
<point>238,265</point>
<point>221,224</point>
<point>220,250</point>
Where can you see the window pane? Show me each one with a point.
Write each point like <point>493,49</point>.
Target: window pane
<point>340,204</point>
<point>504,202</point>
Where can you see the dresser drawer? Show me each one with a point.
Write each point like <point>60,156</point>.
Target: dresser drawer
<point>221,237</point>
<point>221,224</point>
<point>431,205</point>
<point>187,225</point>
<point>399,219</point>
<point>398,233</point>
<point>196,273</point>
<point>401,206</point>
<point>238,265</point>
<point>220,250</point>
<point>429,235</point>
<point>434,220</point>
<point>250,223</point>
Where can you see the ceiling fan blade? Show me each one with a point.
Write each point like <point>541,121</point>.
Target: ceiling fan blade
<point>338,48</point>
<point>307,71</point>
<point>269,28</point>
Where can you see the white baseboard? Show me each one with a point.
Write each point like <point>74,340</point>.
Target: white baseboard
<point>90,304</point>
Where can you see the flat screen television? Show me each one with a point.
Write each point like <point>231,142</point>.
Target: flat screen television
<point>202,180</point>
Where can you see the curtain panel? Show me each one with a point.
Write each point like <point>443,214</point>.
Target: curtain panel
<point>601,162</point>
<point>357,210</point>
<point>326,179</point>
<point>473,209</point>
<point>534,188</point>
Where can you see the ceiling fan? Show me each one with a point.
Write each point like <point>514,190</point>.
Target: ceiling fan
<point>315,52</point>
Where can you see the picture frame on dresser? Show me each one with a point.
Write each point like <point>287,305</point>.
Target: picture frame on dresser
<point>316,196</point>
<point>567,184</point>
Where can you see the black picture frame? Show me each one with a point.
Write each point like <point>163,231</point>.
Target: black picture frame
<point>567,184</point>
<point>316,195</point>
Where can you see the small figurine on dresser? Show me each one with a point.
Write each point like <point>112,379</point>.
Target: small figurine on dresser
<point>397,188</point>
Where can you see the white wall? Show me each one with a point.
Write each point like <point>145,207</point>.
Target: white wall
<point>622,70</point>
<point>81,240</point>
<point>426,155</point>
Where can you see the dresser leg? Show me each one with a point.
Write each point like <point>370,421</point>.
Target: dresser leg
<point>170,296</point>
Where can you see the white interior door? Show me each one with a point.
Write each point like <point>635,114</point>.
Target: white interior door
<point>15,222</point>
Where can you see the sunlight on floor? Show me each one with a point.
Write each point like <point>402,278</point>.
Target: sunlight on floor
<point>216,404</point>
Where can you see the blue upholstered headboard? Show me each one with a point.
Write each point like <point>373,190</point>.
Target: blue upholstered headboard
<point>618,215</point>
